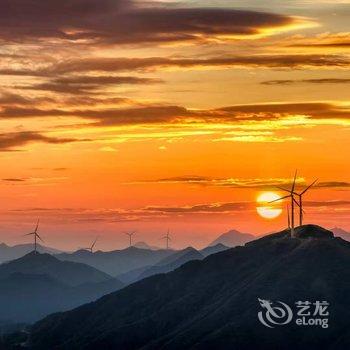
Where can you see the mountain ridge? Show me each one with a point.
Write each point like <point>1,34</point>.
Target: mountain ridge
<point>213,303</point>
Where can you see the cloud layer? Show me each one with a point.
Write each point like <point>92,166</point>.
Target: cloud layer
<point>127,22</point>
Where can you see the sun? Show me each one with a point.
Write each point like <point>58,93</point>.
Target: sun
<point>265,209</point>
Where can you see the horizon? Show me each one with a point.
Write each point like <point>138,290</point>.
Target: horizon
<point>181,127</point>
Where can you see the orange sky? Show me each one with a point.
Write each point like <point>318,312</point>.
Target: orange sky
<point>119,115</point>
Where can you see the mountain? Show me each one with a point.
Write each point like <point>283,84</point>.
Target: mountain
<point>233,238</point>
<point>172,262</point>
<point>169,263</point>
<point>67,272</point>
<point>214,303</point>
<point>339,232</point>
<point>38,284</point>
<point>29,297</point>
<point>8,253</point>
<point>213,249</point>
<point>117,262</point>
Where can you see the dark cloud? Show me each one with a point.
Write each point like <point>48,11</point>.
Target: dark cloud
<point>81,85</point>
<point>320,204</point>
<point>102,64</point>
<point>308,81</point>
<point>174,114</point>
<point>60,169</point>
<point>126,21</point>
<point>13,179</point>
<point>272,183</point>
<point>9,99</point>
<point>331,184</point>
<point>126,64</point>
<point>9,141</point>
<point>204,208</point>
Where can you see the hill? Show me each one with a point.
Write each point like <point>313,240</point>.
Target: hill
<point>172,262</point>
<point>214,303</point>
<point>213,249</point>
<point>37,284</point>
<point>29,297</point>
<point>117,262</point>
<point>339,232</point>
<point>67,272</point>
<point>233,238</point>
<point>8,253</point>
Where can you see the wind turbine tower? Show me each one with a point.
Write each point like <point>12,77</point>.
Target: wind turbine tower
<point>36,236</point>
<point>300,195</point>
<point>167,238</point>
<point>130,234</point>
<point>91,248</point>
<point>293,202</point>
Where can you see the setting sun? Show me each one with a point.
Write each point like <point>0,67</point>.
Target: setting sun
<point>265,209</point>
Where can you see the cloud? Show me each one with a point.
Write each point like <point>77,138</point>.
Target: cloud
<point>264,184</point>
<point>204,208</point>
<point>328,204</point>
<point>324,41</point>
<point>129,22</point>
<point>8,99</point>
<point>146,64</point>
<point>10,141</point>
<point>307,81</point>
<point>104,64</point>
<point>13,179</point>
<point>79,85</point>
<point>162,114</point>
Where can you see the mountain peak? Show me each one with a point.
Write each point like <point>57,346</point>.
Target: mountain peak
<point>39,256</point>
<point>312,231</point>
<point>232,238</point>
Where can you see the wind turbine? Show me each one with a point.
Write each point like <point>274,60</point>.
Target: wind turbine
<point>300,204</point>
<point>36,236</point>
<point>130,234</point>
<point>167,238</point>
<point>293,202</point>
<point>91,248</point>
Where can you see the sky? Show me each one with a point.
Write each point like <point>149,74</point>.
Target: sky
<point>119,115</point>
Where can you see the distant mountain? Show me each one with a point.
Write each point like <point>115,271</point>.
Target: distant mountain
<point>214,303</point>
<point>29,297</point>
<point>233,238</point>
<point>172,262</point>
<point>169,263</point>
<point>118,261</point>
<point>67,272</point>
<point>38,284</point>
<point>8,253</point>
<point>144,245</point>
<point>339,232</point>
<point>212,249</point>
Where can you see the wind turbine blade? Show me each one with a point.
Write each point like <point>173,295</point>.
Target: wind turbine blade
<point>37,226</point>
<point>93,244</point>
<point>296,202</point>
<point>308,187</point>
<point>28,234</point>
<point>279,199</point>
<point>39,237</point>
<point>283,189</point>
<point>295,177</point>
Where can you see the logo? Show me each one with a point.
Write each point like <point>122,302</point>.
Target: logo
<point>274,313</point>
<point>307,313</point>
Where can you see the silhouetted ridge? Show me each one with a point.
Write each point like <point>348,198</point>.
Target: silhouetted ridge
<point>213,303</point>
